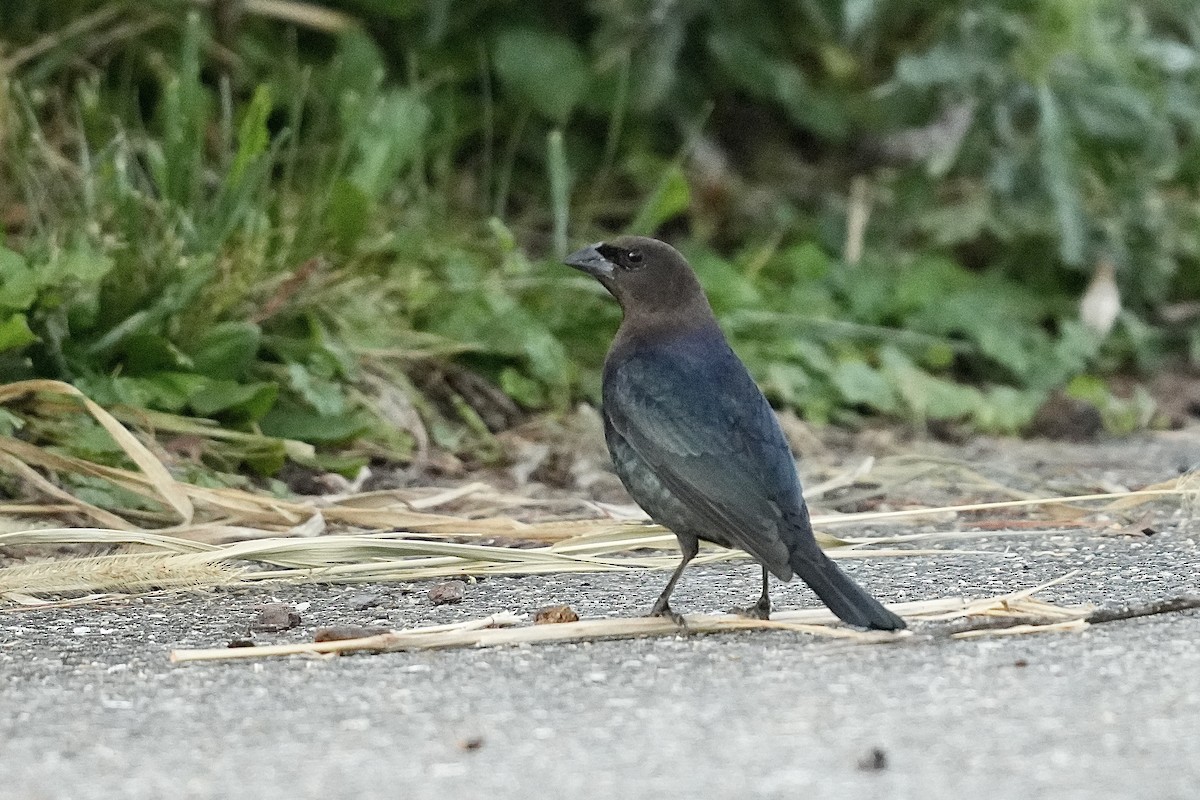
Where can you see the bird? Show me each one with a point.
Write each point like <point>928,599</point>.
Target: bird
<point>693,439</point>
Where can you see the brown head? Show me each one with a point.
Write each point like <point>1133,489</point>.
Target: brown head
<point>654,284</point>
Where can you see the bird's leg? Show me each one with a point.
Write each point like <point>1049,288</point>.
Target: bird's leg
<point>761,609</point>
<point>662,606</point>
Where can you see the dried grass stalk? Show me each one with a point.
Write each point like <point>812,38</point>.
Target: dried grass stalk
<point>118,573</point>
<point>815,622</point>
<point>1020,630</point>
<point>350,558</point>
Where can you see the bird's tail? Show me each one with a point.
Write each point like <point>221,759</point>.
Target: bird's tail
<point>844,597</point>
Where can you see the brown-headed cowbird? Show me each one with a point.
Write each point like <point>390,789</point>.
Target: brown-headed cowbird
<point>694,440</point>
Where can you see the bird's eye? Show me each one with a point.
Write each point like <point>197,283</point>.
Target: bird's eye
<point>633,259</point>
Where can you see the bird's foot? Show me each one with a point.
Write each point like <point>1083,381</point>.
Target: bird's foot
<point>759,610</point>
<point>668,613</point>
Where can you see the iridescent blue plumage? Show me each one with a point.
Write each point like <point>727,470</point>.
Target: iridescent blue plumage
<point>694,440</point>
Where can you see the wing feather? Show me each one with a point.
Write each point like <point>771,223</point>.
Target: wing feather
<point>698,421</point>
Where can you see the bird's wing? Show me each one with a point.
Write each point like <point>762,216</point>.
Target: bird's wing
<point>702,425</point>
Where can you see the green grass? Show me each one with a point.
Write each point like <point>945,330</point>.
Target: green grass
<point>317,238</point>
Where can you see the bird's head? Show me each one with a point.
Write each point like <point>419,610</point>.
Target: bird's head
<point>649,278</point>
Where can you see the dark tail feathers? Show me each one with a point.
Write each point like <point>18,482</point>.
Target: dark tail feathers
<point>844,597</point>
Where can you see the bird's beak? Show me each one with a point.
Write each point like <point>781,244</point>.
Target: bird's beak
<point>591,261</point>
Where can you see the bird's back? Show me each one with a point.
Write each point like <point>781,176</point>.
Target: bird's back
<point>682,407</point>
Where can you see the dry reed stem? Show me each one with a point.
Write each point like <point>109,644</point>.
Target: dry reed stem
<point>128,572</point>
<point>1017,630</point>
<point>488,633</point>
<point>339,559</point>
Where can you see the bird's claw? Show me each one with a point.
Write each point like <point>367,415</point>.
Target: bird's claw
<point>756,611</point>
<point>669,613</point>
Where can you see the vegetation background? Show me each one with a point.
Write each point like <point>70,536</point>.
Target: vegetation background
<point>330,231</point>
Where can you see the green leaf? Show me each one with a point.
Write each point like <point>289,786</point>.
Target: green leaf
<point>785,383</point>
<point>346,464</point>
<point>15,333</point>
<point>266,461</point>
<point>90,439</point>
<point>925,284</point>
<point>1169,56</point>
<point>544,70</point>
<point>147,353</point>
<point>325,396</point>
<point>290,421</point>
<point>1006,410</point>
<point>183,112</point>
<point>1060,169</point>
<point>861,384</point>
<point>253,134</point>
<point>349,214</point>
<point>814,356</point>
<point>105,494</point>
<point>226,350</point>
<point>944,65</point>
<point>165,391</point>
<point>728,287</point>
<point>18,283</point>
<point>560,188</point>
<point>524,390</point>
<point>806,262</point>
<point>248,401</point>
<point>81,264</point>
<point>1090,389</point>
<point>926,396</point>
<point>671,197</point>
<point>959,223</point>
<point>391,137</point>
<point>1075,348</point>
<point>1120,112</point>
<point>357,65</point>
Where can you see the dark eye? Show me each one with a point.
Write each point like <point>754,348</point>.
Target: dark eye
<point>633,259</point>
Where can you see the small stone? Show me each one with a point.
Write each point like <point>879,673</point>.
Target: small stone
<point>363,601</point>
<point>275,617</point>
<point>338,633</point>
<point>874,761</point>
<point>448,592</point>
<point>551,615</point>
<point>470,743</point>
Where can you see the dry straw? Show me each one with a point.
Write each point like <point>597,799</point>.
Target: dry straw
<point>505,629</point>
<point>194,536</point>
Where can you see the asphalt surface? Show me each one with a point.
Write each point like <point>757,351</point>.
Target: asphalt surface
<point>90,707</point>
